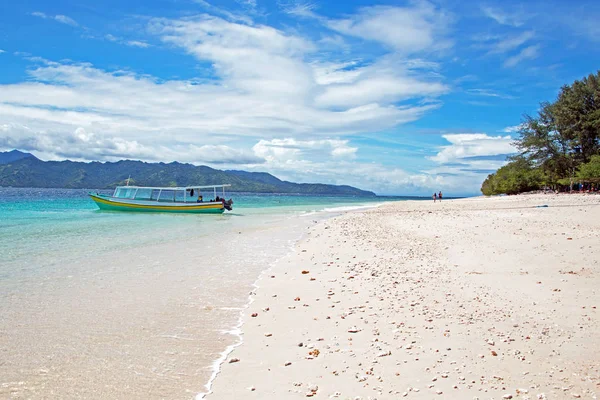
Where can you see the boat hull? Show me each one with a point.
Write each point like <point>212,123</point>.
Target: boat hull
<point>112,204</point>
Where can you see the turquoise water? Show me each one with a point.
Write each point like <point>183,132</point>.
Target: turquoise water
<point>64,224</point>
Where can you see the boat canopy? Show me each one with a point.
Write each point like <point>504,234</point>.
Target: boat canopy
<point>182,194</point>
<point>174,188</point>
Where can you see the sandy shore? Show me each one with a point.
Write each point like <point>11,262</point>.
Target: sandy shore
<point>468,299</point>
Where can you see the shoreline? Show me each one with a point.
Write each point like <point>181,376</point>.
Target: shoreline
<point>270,363</point>
<point>237,329</point>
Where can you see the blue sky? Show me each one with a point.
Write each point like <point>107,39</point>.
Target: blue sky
<point>392,96</point>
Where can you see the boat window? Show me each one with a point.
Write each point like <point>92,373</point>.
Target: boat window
<point>143,194</point>
<point>155,193</point>
<point>125,193</point>
<point>167,195</point>
<point>179,195</point>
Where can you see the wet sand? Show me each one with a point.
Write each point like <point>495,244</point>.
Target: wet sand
<point>483,298</point>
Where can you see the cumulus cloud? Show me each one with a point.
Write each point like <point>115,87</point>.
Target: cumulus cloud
<point>417,27</point>
<point>81,144</point>
<point>389,80</point>
<point>468,145</point>
<point>63,19</point>
<point>291,150</point>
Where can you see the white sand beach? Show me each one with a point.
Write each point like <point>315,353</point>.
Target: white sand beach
<point>482,298</point>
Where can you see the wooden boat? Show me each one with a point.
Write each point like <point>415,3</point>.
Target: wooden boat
<point>189,199</point>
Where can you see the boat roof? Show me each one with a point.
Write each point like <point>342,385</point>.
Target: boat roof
<point>175,188</point>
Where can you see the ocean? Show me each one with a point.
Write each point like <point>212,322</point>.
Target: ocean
<point>97,304</point>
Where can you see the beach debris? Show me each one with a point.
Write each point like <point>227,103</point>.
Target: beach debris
<point>312,390</point>
<point>507,396</point>
<point>254,314</point>
<point>354,329</point>
<point>314,352</point>
<point>268,334</point>
<point>251,388</point>
<point>234,360</point>
<point>304,272</point>
<point>297,299</point>
<point>287,364</point>
<point>494,353</point>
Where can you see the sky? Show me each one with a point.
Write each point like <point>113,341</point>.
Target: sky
<point>397,97</point>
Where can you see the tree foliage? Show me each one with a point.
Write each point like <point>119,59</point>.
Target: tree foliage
<point>561,143</point>
<point>517,176</point>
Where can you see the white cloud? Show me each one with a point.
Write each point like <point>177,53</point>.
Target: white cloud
<point>66,20</point>
<point>513,129</point>
<point>298,8</point>
<point>63,19</point>
<point>388,80</point>
<point>290,150</point>
<point>132,43</point>
<point>528,53</point>
<point>2,51</point>
<point>137,43</point>
<point>418,27</point>
<point>511,43</point>
<point>82,144</point>
<point>503,18</point>
<point>464,145</point>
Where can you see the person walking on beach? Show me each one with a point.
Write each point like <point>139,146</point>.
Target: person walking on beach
<point>434,197</point>
<point>440,195</point>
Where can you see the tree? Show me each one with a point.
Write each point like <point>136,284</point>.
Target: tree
<point>560,144</point>
<point>544,145</point>
<point>590,170</point>
<point>577,116</point>
<point>517,176</point>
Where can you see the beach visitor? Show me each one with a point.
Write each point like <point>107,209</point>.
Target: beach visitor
<point>440,195</point>
<point>434,197</point>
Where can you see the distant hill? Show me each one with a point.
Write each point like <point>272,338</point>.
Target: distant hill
<point>14,155</point>
<point>28,171</point>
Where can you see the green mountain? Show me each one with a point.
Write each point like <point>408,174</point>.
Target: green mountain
<point>14,155</point>
<point>29,171</point>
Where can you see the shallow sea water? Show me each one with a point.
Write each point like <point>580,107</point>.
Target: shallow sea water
<point>100,304</point>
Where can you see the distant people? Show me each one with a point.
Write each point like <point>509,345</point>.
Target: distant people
<point>199,198</point>
<point>217,198</point>
<point>434,197</point>
<point>440,195</point>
